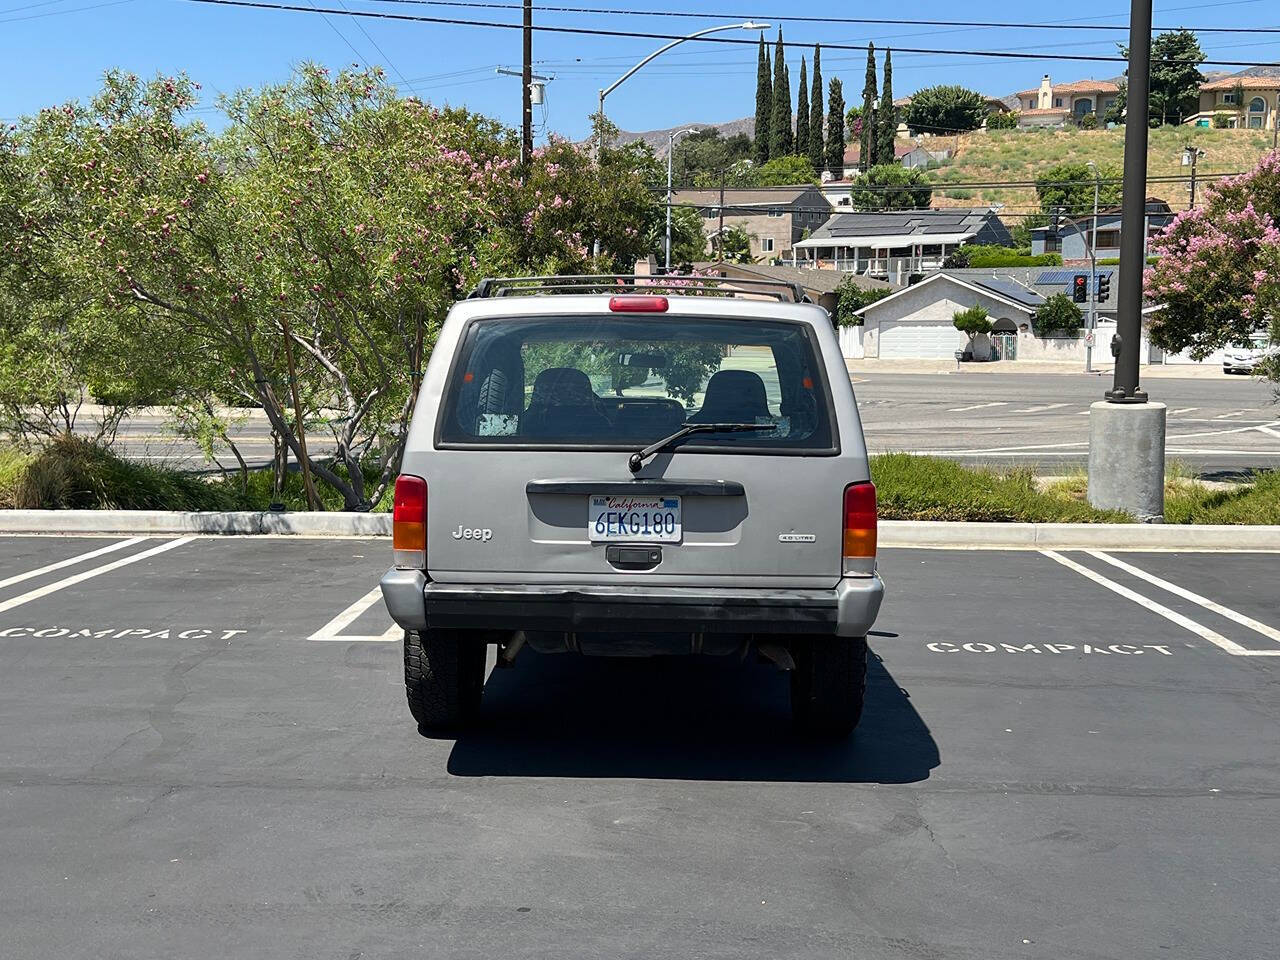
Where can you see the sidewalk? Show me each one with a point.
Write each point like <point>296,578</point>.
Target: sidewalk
<point>1058,367</point>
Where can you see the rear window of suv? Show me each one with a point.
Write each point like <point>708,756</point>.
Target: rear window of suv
<point>615,382</point>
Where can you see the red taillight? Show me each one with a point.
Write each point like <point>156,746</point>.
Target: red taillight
<point>633,303</point>
<point>409,523</point>
<point>860,520</point>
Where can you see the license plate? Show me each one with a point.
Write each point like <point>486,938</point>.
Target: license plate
<point>642,519</point>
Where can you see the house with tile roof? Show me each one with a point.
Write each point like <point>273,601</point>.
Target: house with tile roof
<point>1053,104</point>
<point>1247,100</point>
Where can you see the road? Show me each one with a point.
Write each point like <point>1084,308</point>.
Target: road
<point>1215,426</point>
<point>205,751</point>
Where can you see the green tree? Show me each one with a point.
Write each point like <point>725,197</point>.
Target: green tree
<point>1175,75</point>
<point>946,109</point>
<point>735,246</point>
<point>329,218</point>
<point>764,104</point>
<point>1002,120</point>
<point>835,129</point>
<point>887,116</point>
<point>1115,112</point>
<point>701,158</point>
<point>869,142</point>
<point>1058,314</point>
<point>972,321</point>
<point>852,297</point>
<point>814,148</point>
<point>1069,186</point>
<point>688,242</point>
<point>780,134</point>
<point>802,113</point>
<point>784,171</point>
<point>891,187</point>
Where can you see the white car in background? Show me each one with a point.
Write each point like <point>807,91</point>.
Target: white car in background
<point>1246,359</point>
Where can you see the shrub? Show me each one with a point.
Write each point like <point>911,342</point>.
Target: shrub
<point>990,255</point>
<point>72,473</point>
<point>1220,121</point>
<point>1058,314</point>
<point>1089,122</point>
<point>1002,120</point>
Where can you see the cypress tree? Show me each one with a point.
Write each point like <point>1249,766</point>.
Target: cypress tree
<point>888,118</point>
<point>835,130</point>
<point>868,140</point>
<point>815,147</point>
<point>802,113</point>
<point>780,122</point>
<point>764,106</point>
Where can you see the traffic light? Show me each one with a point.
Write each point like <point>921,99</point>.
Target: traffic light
<point>1055,223</point>
<point>1104,287</point>
<point>1080,288</point>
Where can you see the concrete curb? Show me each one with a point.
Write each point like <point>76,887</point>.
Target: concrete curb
<point>893,533</point>
<point>239,523</point>
<point>1078,536</point>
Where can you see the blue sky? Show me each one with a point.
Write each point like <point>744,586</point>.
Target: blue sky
<point>54,50</point>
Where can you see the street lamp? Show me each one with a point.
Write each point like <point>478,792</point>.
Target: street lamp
<point>671,149</point>
<point>604,92</point>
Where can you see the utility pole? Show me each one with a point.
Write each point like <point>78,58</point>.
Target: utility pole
<point>526,87</point>
<point>720,232</point>
<point>1126,433</point>
<point>1190,154</point>
<point>1093,273</point>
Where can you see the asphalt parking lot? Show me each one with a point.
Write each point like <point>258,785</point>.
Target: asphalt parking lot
<point>204,751</point>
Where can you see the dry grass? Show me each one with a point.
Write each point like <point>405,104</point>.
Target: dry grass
<point>1004,155</point>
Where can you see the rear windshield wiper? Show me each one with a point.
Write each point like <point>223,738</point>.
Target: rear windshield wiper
<point>640,456</point>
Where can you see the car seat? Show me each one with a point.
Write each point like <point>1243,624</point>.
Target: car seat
<point>733,396</point>
<point>564,405</point>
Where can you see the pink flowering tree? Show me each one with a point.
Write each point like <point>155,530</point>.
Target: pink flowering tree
<point>1218,276</point>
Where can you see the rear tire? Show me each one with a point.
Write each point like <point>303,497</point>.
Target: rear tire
<point>828,685</point>
<point>443,678</point>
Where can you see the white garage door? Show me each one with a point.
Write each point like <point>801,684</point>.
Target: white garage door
<point>928,340</point>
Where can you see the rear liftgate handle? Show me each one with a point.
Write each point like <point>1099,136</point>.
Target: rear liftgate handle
<point>633,558</point>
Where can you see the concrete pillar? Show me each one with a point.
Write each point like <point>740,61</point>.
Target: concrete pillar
<point>1126,458</point>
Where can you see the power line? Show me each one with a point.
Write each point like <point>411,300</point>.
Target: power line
<point>865,21</point>
<point>634,34</point>
<point>59,13</point>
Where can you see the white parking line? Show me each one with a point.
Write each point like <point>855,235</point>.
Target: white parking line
<point>1047,406</point>
<point>57,585</point>
<point>1200,630</point>
<point>1258,626</point>
<point>331,632</point>
<point>1174,413</point>
<point>1234,413</point>
<point>979,406</point>
<point>71,561</point>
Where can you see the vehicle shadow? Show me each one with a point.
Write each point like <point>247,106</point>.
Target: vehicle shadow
<point>685,718</point>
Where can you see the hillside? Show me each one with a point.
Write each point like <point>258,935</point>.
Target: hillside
<point>1019,155</point>
<point>657,139</point>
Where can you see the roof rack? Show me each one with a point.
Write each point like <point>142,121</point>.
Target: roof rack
<point>677,284</point>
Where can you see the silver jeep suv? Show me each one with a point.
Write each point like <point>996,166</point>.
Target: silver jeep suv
<point>625,466</point>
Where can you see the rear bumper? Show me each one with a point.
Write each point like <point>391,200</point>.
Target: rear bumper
<point>847,610</point>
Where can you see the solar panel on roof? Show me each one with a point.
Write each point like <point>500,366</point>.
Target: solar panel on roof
<point>1065,276</point>
<point>1010,289</point>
